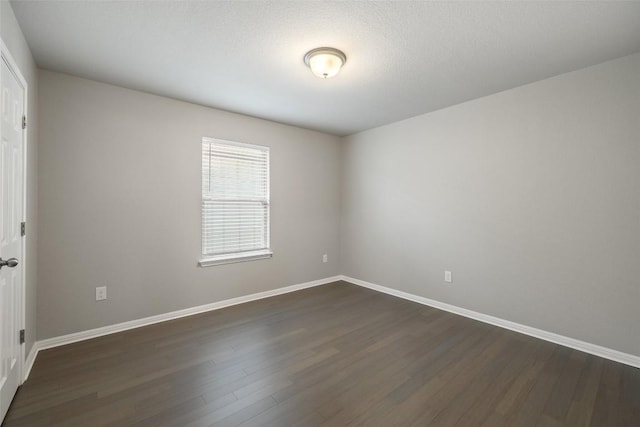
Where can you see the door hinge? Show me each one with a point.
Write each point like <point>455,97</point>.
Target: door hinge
<point>21,336</point>
<point>24,122</point>
<point>23,228</point>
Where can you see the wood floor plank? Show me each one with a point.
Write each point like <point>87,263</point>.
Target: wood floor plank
<point>496,386</point>
<point>334,355</point>
<point>563,392</point>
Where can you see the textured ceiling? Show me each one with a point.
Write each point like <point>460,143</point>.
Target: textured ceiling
<point>404,58</point>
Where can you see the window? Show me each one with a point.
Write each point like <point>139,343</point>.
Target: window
<point>235,202</point>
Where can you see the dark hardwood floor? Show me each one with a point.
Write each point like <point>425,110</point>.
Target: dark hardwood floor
<point>332,355</point>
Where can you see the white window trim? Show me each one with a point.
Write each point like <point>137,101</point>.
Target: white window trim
<point>236,257</point>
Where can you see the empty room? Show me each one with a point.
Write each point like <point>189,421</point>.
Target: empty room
<point>319,213</point>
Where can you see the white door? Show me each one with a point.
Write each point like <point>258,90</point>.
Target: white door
<point>12,110</point>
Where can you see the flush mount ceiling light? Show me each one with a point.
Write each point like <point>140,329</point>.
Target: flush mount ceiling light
<point>325,62</point>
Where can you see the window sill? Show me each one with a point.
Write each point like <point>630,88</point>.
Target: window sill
<point>233,258</point>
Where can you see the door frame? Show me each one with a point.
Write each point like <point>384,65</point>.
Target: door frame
<point>5,55</point>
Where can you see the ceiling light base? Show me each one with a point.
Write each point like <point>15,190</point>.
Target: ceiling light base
<point>325,62</point>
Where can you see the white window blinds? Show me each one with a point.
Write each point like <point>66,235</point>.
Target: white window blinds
<point>235,200</point>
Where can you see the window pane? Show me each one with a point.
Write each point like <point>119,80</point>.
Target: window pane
<point>235,191</point>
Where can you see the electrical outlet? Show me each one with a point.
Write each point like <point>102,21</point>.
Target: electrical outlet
<point>101,293</point>
<point>447,276</point>
<point>325,258</point>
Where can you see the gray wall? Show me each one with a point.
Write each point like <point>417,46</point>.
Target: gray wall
<point>530,196</point>
<point>15,42</point>
<point>120,205</point>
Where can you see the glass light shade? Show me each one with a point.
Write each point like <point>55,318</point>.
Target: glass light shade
<point>325,62</point>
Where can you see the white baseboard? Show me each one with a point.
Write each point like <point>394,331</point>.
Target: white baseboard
<point>28,363</point>
<point>607,353</point>
<point>132,324</point>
